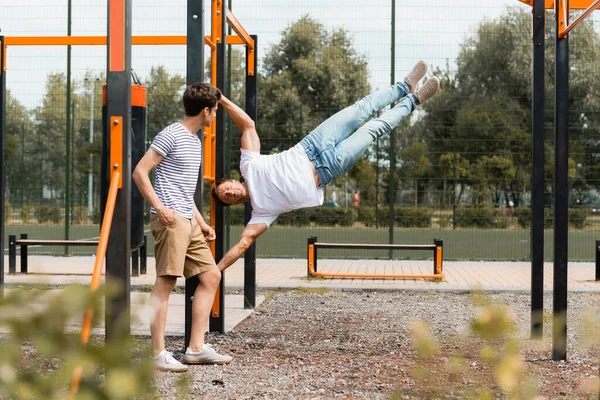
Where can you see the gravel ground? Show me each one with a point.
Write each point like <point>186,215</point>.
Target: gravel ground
<point>311,344</point>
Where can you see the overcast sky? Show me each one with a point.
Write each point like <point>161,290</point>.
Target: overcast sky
<point>433,30</point>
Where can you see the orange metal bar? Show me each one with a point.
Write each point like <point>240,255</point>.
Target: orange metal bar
<point>573,4</point>
<point>116,147</point>
<point>116,36</point>
<point>101,40</point>
<point>311,270</point>
<point>563,33</point>
<point>243,34</point>
<point>210,43</point>
<point>97,272</point>
<point>238,28</point>
<point>55,40</point>
<point>438,265</point>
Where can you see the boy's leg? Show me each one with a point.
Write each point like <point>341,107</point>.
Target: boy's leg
<point>204,297</point>
<point>200,263</point>
<point>160,301</point>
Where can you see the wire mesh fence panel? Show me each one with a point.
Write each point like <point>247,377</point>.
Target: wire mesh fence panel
<point>457,168</point>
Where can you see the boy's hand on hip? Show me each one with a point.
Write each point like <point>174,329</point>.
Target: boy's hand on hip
<point>166,215</point>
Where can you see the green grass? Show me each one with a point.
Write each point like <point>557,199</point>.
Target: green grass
<point>291,242</point>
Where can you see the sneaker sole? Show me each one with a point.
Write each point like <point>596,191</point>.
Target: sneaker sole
<point>171,369</point>
<point>194,362</point>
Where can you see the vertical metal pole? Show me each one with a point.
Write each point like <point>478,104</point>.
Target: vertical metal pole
<point>195,73</point>
<point>251,110</point>
<point>12,254</point>
<point>143,256</point>
<point>68,135</point>
<point>229,135</point>
<point>91,162</point>
<point>217,323</point>
<point>392,188</point>
<point>135,262</point>
<point>24,266</point>
<point>537,173</point>
<point>561,190</point>
<point>598,260</point>
<point>2,169</point>
<point>118,102</point>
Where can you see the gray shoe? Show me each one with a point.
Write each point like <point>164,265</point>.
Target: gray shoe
<point>166,362</point>
<point>426,90</point>
<point>416,74</point>
<point>207,356</point>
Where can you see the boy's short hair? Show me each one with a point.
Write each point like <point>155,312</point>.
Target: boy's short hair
<point>199,96</point>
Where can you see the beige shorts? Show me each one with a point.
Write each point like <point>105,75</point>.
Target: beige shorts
<point>180,248</point>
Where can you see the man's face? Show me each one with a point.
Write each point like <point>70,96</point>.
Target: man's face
<point>231,192</point>
<point>211,113</point>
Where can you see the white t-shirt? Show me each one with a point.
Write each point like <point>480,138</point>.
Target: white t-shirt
<point>279,183</point>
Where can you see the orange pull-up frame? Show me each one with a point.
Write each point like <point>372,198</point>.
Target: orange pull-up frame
<point>562,9</point>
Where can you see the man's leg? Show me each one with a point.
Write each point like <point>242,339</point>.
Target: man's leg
<point>159,299</point>
<point>345,154</point>
<point>201,307</point>
<point>340,125</point>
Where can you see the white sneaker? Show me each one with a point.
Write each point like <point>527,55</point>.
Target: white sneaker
<point>426,90</point>
<point>166,362</point>
<point>415,75</point>
<point>207,356</point>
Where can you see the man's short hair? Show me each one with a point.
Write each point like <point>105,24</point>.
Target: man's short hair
<point>199,96</point>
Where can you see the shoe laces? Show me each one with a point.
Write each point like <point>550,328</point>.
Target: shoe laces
<point>169,359</point>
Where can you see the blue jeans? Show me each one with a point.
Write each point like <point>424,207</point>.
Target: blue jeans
<point>332,147</point>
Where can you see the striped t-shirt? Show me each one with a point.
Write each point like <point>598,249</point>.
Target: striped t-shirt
<point>176,176</point>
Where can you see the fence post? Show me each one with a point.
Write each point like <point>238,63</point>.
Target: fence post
<point>598,260</point>
<point>143,256</point>
<point>12,254</point>
<point>24,267</point>
<point>135,263</point>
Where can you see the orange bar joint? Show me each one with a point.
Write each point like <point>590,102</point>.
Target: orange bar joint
<point>563,33</point>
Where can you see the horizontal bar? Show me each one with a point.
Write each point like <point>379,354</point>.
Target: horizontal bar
<point>375,276</point>
<point>375,246</point>
<point>579,19</point>
<point>101,40</point>
<point>573,4</point>
<point>33,242</point>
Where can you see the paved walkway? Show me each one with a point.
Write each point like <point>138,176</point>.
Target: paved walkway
<point>289,273</point>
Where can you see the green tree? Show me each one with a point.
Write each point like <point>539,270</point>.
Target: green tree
<point>484,107</point>
<point>363,173</point>
<point>163,100</point>
<point>415,167</point>
<point>19,132</point>
<point>308,76</point>
<point>48,158</point>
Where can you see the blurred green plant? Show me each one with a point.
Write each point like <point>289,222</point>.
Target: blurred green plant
<point>39,352</point>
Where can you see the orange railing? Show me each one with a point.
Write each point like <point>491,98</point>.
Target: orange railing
<point>97,273</point>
